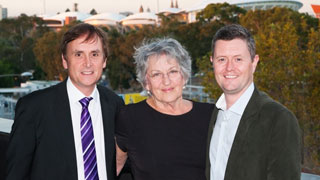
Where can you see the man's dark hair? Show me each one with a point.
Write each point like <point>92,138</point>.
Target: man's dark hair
<point>91,32</point>
<point>235,31</point>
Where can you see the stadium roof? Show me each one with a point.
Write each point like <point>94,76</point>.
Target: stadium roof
<point>204,3</point>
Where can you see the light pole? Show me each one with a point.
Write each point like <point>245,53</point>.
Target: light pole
<point>24,74</point>
<point>157,6</point>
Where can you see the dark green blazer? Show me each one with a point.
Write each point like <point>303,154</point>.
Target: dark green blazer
<point>267,145</point>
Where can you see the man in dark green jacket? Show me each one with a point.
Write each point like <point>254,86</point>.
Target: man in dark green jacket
<point>251,136</point>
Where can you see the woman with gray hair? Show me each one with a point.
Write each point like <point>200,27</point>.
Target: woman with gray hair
<point>165,135</point>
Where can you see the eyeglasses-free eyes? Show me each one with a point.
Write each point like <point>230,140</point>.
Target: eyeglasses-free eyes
<point>158,76</point>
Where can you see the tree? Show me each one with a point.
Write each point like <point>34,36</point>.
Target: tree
<point>6,69</point>
<point>93,12</point>
<point>311,101</point>
<point>120,66</point>
<point>225,13</point>
<point>17,37</point>
<point>47,51</point>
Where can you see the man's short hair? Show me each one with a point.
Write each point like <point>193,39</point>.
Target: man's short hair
<point>235,31</point>
<point>84,29</point>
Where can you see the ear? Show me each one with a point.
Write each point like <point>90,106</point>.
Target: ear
<point>255,63</point>
<point>212,63</point>
<point>147,85</point>
<point>64,62</point>
<point>105,63</point>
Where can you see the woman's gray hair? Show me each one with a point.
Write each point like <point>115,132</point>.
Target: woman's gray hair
<point>161,46</point>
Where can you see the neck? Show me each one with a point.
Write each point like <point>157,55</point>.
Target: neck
<point>177,107</point>
<point>230,100</point>
<point>232,97</point>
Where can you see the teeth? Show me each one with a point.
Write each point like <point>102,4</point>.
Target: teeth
<point>87,72</point>
<point>231,77</point>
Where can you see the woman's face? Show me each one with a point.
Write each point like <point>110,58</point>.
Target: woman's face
<point>164,79</point>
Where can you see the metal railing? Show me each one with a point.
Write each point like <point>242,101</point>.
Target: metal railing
<point>7,106</point>
<point>196,93</point>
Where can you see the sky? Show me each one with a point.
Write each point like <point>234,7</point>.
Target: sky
<point>51,7</point>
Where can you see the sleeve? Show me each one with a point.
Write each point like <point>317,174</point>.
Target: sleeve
<point>122,129</point>
<point>285,151</point>
<point>21,143</point>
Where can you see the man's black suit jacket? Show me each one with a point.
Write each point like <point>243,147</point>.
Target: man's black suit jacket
<point>42,143</point>
<point>267,144</point>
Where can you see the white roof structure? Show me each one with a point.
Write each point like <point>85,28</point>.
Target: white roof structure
<point>80,16</point>
<point>255,4</point>
<point>140,19</point>
<point>58,20</point>
<point>105,19</point>
<point>171,10</point>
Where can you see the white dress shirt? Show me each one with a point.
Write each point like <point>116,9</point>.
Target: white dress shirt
<point>96,116</point>
<point>224,132</point>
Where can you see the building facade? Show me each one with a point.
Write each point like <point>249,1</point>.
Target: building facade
<point>316,10</point>
<point>3,13</point>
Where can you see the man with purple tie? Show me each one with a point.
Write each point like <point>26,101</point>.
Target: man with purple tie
<point>66,132</point>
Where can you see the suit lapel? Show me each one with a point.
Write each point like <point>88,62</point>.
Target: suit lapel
<point>65,130</point>
<point>108,128</point>
<point>246,120</point>
<point>210,131</point>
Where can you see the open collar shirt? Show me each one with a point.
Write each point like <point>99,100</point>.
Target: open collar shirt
<point>96,116</point>
<point>224,132</point>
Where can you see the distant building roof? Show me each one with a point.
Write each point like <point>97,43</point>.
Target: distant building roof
<point>294,4</point>
<point>144,15</point>
<point>316,10</point>
<point>80,16</point>
<point>140,19</point>
<point>171,10</point>
<point>105,18</point>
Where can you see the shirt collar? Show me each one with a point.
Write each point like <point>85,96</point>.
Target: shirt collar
<point>239,106</point>
<point>75,94</point>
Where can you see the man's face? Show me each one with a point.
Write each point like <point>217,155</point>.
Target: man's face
<point>233,66</point>
<point>85,62</point>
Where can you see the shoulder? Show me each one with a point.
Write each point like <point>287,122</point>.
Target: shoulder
<point>274,110</point>
<point>43,96</point>
<point>109,95</point>
<point>203,106</point>
<point>134,108</point>
<point>268,104</point>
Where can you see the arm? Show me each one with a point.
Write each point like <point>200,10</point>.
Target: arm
<point>121,159</point>
<point>22,143</point>
<point>285,151</point>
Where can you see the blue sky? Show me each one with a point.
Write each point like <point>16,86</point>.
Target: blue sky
<point>51,7</point>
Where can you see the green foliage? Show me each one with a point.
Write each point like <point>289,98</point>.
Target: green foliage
<point>310,108</point>
<point>17,37</point>
<point>224,13</point>
<point>208,81</point>
<point>120,67</point>
<point>47,51</point>
<point>5,68</point>
<point>48,55</point>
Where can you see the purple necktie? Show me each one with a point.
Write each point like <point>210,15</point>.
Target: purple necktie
<point>87,139</point>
